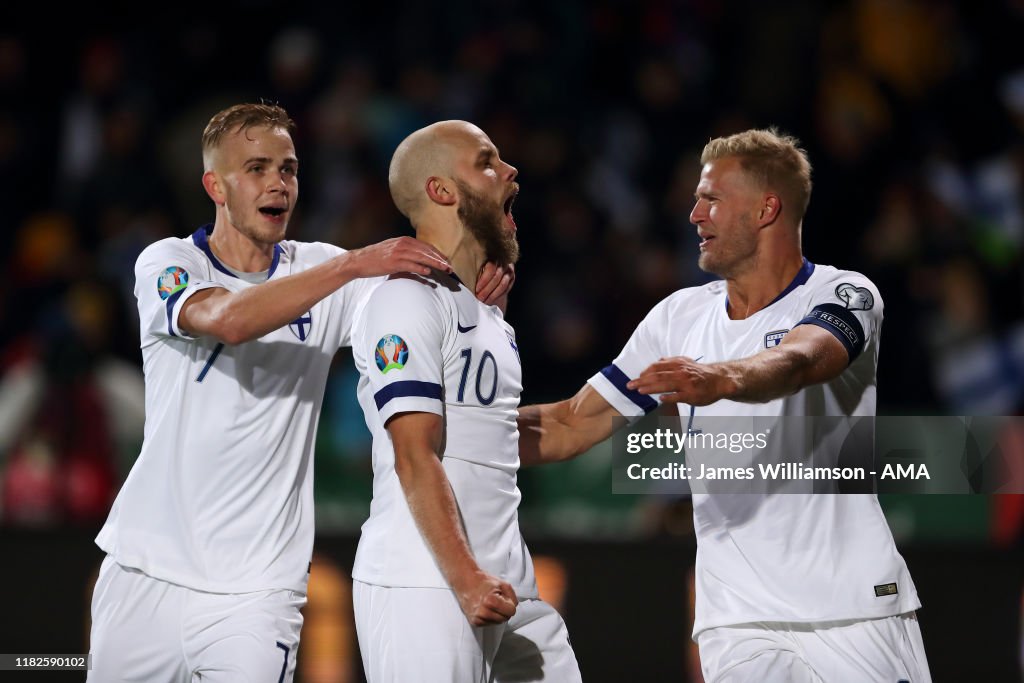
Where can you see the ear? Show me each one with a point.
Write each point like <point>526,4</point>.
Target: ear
<point>440,190</point>
<point>770,210</point>
<point>212,186</point>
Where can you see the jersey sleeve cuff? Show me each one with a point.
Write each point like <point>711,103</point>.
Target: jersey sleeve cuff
<point>610,382</point>
<point>408,396</point>
<point>174,303</point>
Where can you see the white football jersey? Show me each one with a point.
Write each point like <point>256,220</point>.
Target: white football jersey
<point>778,557</point>
<point>428,345</point>
<point>221,496</point>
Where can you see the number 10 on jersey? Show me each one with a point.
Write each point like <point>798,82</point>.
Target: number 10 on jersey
<point>486,359</point>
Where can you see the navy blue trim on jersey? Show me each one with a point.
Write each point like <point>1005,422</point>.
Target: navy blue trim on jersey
<point>407,388</point>
<point>619,379</point>
<point>802,276</point>
<point>201,238</point>
<point>276,260</point>
<point>842,323</point>
<point>209,362</point>
<point>171,300</point>
<point>284,667</point>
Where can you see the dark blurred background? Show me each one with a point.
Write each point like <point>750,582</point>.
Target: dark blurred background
<point>913,116</point>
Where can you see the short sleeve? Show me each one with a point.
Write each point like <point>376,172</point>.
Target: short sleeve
<point>167,273</point>
<point>643,348</point>
<point>346,301</point>
<point>354,296</point>
<point>402,334</point>
<point>850,307</point>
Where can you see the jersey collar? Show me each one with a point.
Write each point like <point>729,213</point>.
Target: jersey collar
<point>802,276</point>
<point>201,238</point>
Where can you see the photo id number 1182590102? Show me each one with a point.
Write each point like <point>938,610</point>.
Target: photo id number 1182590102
<point>44,662</point>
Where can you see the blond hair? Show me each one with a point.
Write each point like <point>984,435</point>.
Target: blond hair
<point>772,160</point>
<point>242,117</point>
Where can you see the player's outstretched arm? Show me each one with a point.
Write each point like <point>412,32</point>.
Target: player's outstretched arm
<point>417,437</point>
<point>237,317</point>
<point>808,355</point>
<point>553,432</point>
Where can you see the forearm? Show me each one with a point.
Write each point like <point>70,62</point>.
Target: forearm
<point>238,317</point>
<point>543,437</point>
<point>553,432</point>
<point>808,355</point>
<point>765,376</point>
<point>435,511</point>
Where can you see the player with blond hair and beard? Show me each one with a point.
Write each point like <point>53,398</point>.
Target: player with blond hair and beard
<point>444,585</point>
<point>795,587</point>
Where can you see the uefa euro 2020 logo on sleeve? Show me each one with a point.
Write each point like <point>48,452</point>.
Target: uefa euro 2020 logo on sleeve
<point>392,353</point>
<point>171,281</point>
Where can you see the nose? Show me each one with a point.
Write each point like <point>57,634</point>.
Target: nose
<point>699,213</point>
<point>276,182</point>
<point>512,171</point>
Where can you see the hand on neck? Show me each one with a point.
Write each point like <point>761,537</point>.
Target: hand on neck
<point>463,251</point>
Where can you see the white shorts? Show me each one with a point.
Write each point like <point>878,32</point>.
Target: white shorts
<point>151,631</point>
<point>887,650</point>
<point>421,634</point>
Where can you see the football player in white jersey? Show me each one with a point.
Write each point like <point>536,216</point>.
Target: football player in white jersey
<point>794,587</point>
<point>209,540</point>
<point>444,588</point>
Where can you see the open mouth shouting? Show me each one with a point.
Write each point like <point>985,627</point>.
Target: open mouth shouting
<point>509,201</point>
<point>274,213</point>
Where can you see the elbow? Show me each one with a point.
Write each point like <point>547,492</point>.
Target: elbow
<point>402,468</point>
<point>228,328</point>
<point>806,370</point>
<point>233,336</point>
<point>406,471</point>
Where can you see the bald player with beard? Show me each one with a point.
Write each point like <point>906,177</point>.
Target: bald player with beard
<point>444,585</point>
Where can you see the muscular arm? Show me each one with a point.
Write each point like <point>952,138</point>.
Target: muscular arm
<point>237,317</point>
<point>808,355</point>
<point>552,432</point>
<point>484,599</point>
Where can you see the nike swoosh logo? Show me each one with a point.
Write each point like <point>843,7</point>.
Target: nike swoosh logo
<point>465,329</point>
<point>697,358</point>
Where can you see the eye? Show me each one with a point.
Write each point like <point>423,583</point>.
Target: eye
<point>256,169</point>
<point>289,170</point>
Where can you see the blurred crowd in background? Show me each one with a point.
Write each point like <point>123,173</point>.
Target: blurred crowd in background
<point>912,113</point>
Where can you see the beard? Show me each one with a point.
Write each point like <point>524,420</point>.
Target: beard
<point>733,257</point>
<point>246,220</point>
<point>485,221</point>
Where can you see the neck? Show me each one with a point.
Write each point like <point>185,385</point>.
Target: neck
<point>460,248</point>
<point>753,290</point>
<point>238,251</point>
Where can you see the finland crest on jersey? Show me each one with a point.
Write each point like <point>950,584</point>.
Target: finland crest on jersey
<point>427,345</point>
<point>302,326</point>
